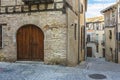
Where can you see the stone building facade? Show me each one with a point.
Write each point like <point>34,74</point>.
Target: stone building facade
<point>58,21</point>
<point>95,36</point>
<point>111,32</point>
<point>118,8</point>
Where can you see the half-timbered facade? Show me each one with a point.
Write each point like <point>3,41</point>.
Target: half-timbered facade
<point>42,30</point>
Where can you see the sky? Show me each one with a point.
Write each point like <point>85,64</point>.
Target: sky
<point>95,6</point>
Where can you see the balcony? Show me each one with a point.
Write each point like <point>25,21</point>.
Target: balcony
<point>37,1</point>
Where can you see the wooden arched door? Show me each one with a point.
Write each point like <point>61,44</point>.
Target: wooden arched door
<point>30,43</point>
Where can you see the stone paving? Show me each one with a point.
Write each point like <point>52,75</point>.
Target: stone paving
<point>40,71</point>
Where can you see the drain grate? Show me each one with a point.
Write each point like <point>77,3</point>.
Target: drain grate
<point>97,76</point>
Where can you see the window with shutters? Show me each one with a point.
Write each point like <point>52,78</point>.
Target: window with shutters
<point>0,36</point>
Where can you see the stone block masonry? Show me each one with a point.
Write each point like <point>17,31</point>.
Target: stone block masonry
<point>53,24</point>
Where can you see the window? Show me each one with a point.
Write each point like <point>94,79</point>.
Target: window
<point>113,13</point>
<point>103,40</point>
<point>103,27</point>
<point>97,36</point>
<point>90,26</point>
<point>110,34</point>
<point>88,38</point>
<point>81,8</point>
<point>118,36</point>
<point>0,36</point>
<point>97,48</point>
<point>75,31</point>
<point>119,47</point>
<point>97,26</point>
<point>103,37</point>
<point>111,50</point>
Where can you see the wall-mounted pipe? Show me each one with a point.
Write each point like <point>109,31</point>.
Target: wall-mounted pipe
<point>79,31</point>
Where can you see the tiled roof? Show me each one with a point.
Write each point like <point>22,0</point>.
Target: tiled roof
<point>109,7</point>
<point>95,19</point>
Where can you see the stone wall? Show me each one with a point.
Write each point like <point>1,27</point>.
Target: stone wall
<point>11,2</point>
<point>17,2</point>
<point>72,56</point>
<point>119,31</point>
<point>61,36</point>
<point>100,40</point>
<point>53,24</point>
<point>110,43</point>
<point>82,32</point>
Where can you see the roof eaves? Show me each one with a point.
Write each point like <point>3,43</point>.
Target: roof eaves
<point>108,8</point>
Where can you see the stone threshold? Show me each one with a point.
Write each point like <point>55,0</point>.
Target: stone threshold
<point>30,62</point>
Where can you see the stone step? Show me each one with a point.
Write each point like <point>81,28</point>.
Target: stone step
<point>30,62</point>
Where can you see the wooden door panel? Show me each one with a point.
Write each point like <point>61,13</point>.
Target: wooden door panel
<point>89,52</point>
<point>23,43</point>
<point>30,43</point>
<point>37,44</point>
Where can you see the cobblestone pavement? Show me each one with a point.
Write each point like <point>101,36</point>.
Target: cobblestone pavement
<point>99,64</point>
<point>39,71</point>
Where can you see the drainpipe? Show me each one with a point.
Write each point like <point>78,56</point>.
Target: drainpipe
<point>78,31</point>
<point>117,41</point>
<point>117,25</point>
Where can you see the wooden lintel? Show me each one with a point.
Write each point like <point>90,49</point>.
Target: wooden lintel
<point>4,24</point>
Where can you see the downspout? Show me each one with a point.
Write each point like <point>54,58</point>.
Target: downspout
<point>78,31</point>
<point>117,39</point>
<point>85,45</point>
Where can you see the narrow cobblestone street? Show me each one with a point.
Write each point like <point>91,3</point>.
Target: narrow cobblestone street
<point>39,71</point>
<point>46,39</point>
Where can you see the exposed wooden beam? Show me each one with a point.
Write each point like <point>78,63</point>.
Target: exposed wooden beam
<point>15,9</point>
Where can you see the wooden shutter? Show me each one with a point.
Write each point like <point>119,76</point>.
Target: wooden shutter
<point>118,36</point>
<point>0,36</point>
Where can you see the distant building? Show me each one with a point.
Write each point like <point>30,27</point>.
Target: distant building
<point>95,37</point>
<point>112,32</point>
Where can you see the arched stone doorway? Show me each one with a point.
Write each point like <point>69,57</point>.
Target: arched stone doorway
<point>30,43</point>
